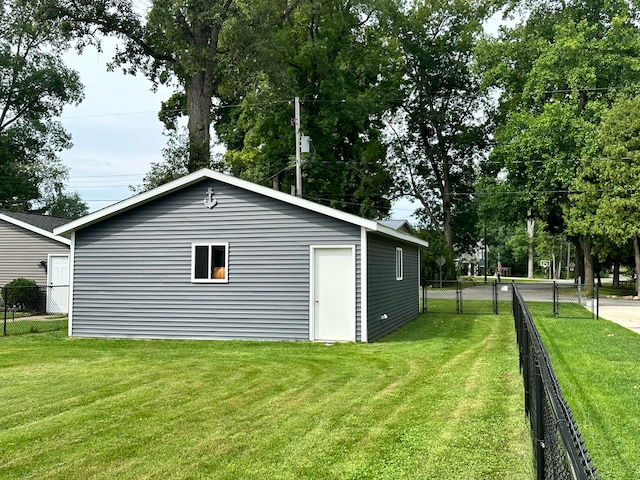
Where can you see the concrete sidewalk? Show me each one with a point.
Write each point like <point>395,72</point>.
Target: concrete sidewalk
<point>626,315</point>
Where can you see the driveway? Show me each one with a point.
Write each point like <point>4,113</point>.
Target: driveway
<point>621,311</point>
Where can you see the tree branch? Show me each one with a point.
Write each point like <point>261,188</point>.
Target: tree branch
<point>125,23</point>
<point>415,190</point>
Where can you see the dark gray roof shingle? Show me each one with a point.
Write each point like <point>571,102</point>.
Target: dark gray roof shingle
<point>44,222</point>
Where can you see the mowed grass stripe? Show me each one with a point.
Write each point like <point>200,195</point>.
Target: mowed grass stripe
<point>439,398</point>
<point>597,363</point>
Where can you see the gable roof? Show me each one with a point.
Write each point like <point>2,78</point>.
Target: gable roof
<point>205,173</point>
<point>40,224</point>
<point>399,225</point>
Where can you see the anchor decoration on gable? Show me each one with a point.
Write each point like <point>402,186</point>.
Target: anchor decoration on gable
<point>209,201</point>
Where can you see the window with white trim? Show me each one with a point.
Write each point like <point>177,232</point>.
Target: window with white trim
<point>399,266</point>
<point>209,263</point>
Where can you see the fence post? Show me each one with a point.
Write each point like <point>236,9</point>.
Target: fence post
<point>556,309</point>
<point>5,297</point>
<point>579,291</point>
<point>526,365</point>
<point>540,433</point>
<point>495,297</point>
<point>458,297</point>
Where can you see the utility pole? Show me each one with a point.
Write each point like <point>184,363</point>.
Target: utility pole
<point>298,153</point>
<point>531,231</point>
<point>486,259</point>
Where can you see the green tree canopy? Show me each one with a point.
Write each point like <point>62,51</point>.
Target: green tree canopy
<point>196,45</point>
<point>34,88</point>
<point>606,201</point>
<point>558,70</point>
<point>440,132</point>
<point>341,61</point>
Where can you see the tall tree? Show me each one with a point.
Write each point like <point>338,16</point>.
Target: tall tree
<point>67,205</point>
<point>439,135</point>
<point>342,62</point>
<point>607,198</point>
<point>558,70</point>
<point>196,45</point>
<point>34,88</point>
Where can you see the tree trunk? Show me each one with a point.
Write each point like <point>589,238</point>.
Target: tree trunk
<point>616,273</point>
<point>597,268</point>
<point>199,103</point>
<point>588,262</point>
<point>579,270</point>
<point>636,252</point>
<point>531,230</point>
<point>447,228</point>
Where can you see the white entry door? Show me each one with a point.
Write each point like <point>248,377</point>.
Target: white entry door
<point>58,284</point>
<point>334,294</point>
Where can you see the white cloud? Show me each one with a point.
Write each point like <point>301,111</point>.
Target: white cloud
<point>115,130</point>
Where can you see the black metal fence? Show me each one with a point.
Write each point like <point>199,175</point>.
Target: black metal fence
<point>557,298</point>
<point>453,296</point>
<point>34,309</point>
<point>559,451</point>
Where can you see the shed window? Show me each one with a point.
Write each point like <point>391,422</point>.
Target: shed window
<point>209,263</point>
<point>399,266</point>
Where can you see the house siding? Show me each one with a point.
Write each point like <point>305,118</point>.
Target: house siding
<point>22,250</point>
<point>132,272</point>
<point>398,299</point>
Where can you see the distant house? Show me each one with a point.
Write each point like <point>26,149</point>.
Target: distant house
<point>398,225</point>
<point>214,257</point>
<point>29,249</point>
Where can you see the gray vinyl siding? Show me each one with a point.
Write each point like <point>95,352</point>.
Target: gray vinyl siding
<point>21,252</point>
<point>398,299</point>
<point>132,272</point>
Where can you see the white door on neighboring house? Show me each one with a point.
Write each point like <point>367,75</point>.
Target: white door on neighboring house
<point>58,284</point>
<point>333,294</point>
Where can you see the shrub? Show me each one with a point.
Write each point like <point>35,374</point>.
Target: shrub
<point>22,293</point>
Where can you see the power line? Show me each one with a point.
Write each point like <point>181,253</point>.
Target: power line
<point>266,103</point>
<point>554,192</point>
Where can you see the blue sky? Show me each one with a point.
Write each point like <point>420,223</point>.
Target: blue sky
<point>115,130</point>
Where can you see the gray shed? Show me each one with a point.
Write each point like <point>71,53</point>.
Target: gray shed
<point>210,256</point>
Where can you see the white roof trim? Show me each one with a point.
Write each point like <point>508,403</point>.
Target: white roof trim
<point>34,229</point>
<point>196,177</point>
<point>400,236</point>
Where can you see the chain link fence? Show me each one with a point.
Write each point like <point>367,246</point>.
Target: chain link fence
<point>559,450</point>
<point>561,299</point>
<point>453,296</point>
<point>34,309</point>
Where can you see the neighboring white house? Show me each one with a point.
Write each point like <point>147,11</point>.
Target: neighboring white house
<point>212,256</point>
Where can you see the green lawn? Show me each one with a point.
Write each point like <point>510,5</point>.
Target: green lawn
<point>439,399</point>
<point>20,325</point>
<point>598,365</point>
<point>469,306</point>
<point>626,288</point>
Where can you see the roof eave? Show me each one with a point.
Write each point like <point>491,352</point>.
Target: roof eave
<point>390,232</point>
<point>34,229</point>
